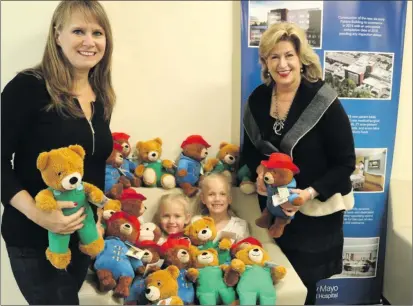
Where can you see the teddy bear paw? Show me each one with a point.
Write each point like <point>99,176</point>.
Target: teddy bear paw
<point>94,248</point>
<point>168,181</point>
<point>167,164</point>
<point>139,170</point>
<point>225,244</point>
<point>59,261</point>
<point>192,274</point>
<point>248,187</point>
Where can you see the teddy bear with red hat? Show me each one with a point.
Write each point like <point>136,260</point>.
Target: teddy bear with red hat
<point>128,167</point>
<point>177,252</point>
<point>279,173</point>
<point>189,170</point>
<point>115,178</point>
<point>114,268</point>
<point>132,203</point>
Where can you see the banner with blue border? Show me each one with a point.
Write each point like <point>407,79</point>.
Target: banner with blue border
<point>360,45</point>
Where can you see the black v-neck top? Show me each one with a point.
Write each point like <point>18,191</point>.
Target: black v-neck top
<point>325,155</point>
<point>27,129</point>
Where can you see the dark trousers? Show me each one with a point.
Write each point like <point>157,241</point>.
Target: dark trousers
<point>43,284</point>
<point>311,286</point>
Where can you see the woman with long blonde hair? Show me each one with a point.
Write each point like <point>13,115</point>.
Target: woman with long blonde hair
<point>67,99</point>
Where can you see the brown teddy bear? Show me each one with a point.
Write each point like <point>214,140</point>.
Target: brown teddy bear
<point>132,203</point>
<point>162,287</point>
<point>177,253</point>
<point>189,171</point>
<point>202,233</point>
<point>116,179</point>
<point>279,173</point>
<point>154,171</point>
<point>150,255</point>
<point>115,269</point>
<point>225,163</point>
<point>62,171</point>
<point>242,244</point>
<point>257,280</point>
<point>211,288</point>
<point>106,212</point>
<point>128,167</point>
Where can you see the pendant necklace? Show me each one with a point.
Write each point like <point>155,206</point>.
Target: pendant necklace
<point>279,122</point>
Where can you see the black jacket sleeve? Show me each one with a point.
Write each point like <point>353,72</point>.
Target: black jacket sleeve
<point>250,156</point>
<point>18,107</point>
<point>339,146</point>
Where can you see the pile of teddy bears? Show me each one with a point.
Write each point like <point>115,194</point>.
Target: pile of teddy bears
<point>148,169</point>
<point>186,269</point>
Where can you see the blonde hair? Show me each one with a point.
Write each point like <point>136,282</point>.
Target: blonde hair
<point>202,208</point>
<point>286,31</point>
<point>57,71</point>
<point>169,198</point>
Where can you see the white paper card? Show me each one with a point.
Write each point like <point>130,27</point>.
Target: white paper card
<point>277,200</point>
<point>283,192</point>
<point>159,263</point>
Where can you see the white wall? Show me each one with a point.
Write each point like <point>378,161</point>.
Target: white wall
<point>402,159</point>
<point>172,65</point>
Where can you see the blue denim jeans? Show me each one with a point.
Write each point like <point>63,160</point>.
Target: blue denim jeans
<point>43,284</point>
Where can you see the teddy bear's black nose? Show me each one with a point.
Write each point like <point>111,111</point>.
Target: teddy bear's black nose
<point>127,225</point>
<point>204,232</point>
<point>153,154</point>
<point>256,250</point>
<point>126,147</point>
<point>73,180</point>
<point>147,291</point>
<point>206,153</point>
<point>146,253</point>
<point>266,178</point>
<point>231,158</point>
<point>184,253</point>
<point>204,253</point>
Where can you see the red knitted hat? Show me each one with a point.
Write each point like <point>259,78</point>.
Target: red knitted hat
<point>195,139</point>
<point>117,147</point>
<point>250,240</point>
<point>120,136</point>
<point>280,160</point>
<point>130,193</point>
<point>175,242</point>
<point>148,244</point>
<point>123,215</point>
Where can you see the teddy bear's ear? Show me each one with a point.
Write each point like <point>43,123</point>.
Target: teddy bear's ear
<point>158,140</point>
<point>187,230</point>
<point>223,144</point>
<point>42,161</point>
<point>173,270</point>
<point>139,144</point>
<point>208,219</point>
<point>215,252</point>
<point>78,150</point>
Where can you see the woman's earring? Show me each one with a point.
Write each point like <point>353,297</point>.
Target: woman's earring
<point>301,70</point>
<point>267,74</point>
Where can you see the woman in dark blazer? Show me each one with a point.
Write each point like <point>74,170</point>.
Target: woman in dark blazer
<point>296,113</point>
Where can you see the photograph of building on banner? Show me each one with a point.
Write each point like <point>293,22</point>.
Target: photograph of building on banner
<point>369,175</point>
<point>359,75</point>
<point>307,14</point>
<point>359,257</point>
